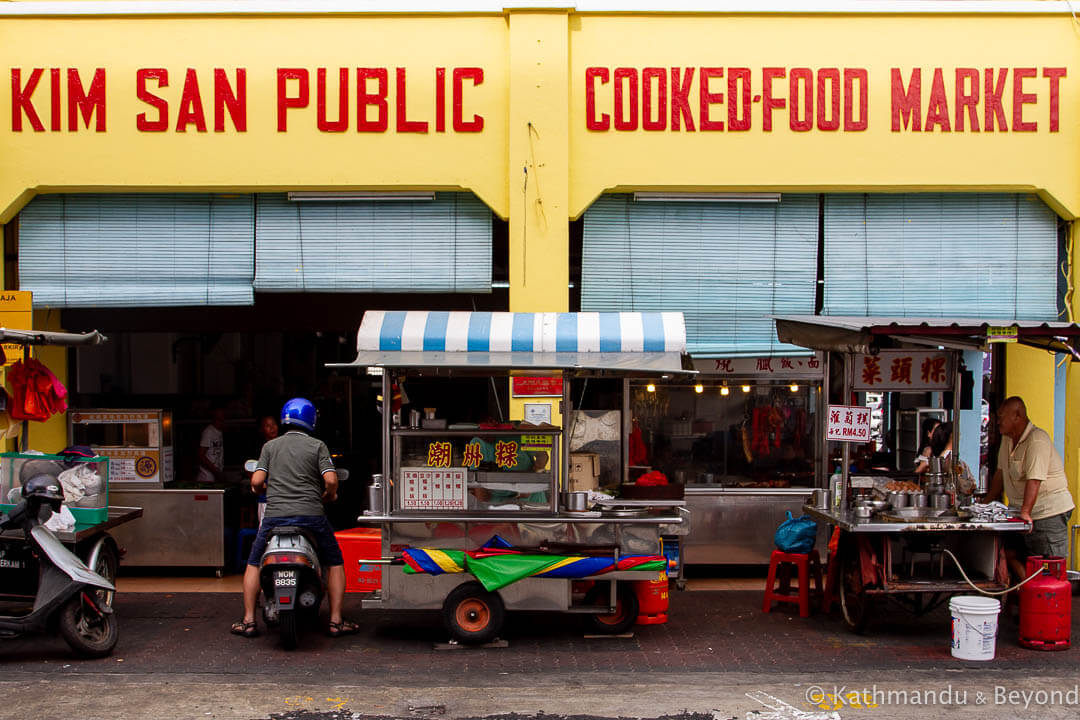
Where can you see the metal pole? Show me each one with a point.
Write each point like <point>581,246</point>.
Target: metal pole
<point>845,482</point>
<point>824,461</point>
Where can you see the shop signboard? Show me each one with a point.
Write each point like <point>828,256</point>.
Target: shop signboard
<point>1008,334</point>
<point>903,370</point>
<point>848,423</point>
<point>15,314</point>
<point>432,488</point>
<point>806,366</point>
<point>525,386</point>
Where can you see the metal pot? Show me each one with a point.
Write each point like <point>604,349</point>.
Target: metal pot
<point>940,501</point>
<point>863,512</point>
<point>898,498</point>
<point>919,499</point>
<point>577,501</point>
<point>822,499</point>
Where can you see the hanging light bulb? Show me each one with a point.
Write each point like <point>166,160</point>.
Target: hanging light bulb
<point>724,390</point>
<point>650,388</point>
<point>746,388</point>
<point>794,387</point>
<point>699,388</point>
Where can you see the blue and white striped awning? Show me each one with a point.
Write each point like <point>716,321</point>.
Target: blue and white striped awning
<point>652,342</point>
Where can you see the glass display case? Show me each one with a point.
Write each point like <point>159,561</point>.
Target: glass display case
<point>475,470</point>
<point>138,443</point>
<point>739,434</point>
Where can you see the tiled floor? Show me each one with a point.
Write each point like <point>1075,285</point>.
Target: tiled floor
<point>173,584</point>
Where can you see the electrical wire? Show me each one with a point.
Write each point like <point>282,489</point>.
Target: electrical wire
<point>978,589</point>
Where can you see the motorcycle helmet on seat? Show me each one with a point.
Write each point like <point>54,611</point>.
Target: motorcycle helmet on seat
<point>45,488</point>
<point>299,412</point>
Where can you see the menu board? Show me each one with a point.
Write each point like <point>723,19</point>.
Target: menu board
<point>432,488</point>
<point>848,423</point>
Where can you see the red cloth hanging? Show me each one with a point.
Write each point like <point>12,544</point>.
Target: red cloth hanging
<point>36,393</point>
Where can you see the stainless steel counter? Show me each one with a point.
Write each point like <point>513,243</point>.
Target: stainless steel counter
<point>178,528</point>
<point>847,521</point>
<point>735,526</point>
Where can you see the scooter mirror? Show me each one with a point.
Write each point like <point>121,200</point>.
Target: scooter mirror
<point>250,465</point>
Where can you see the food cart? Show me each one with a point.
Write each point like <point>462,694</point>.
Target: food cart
<point>914,556</point>
<point>474,516</point>
<point>91,538</point>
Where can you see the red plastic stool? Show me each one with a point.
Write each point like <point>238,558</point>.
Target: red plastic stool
<point>781,564</point>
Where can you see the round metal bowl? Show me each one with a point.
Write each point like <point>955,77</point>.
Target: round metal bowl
<point>624,513</point>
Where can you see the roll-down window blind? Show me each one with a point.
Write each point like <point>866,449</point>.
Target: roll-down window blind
<point>990,256</point>
<point>137,250</point>
<point>726,266</point>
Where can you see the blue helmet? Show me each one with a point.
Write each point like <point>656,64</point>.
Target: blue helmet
<point>299,412</point>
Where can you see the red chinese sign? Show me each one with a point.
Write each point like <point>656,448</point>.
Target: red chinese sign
<point>536,386</point>
<point>896,370</point>
<point>850,423</point>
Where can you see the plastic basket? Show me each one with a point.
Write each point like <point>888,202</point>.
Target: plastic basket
<point>87,510</point>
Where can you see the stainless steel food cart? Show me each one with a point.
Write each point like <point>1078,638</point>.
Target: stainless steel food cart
<point>442,498</point>
<point>917,557</point>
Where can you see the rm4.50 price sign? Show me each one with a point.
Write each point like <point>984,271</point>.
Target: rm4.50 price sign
<point>849,423</point>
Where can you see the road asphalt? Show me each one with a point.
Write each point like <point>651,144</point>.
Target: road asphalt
<point>718,656</point>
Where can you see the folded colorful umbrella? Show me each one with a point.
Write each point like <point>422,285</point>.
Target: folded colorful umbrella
<point>496,565</point>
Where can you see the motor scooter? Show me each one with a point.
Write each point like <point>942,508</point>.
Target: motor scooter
<point>293,581</point>
<point>70,597</point>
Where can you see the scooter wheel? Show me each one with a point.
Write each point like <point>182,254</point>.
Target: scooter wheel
<point>89,633</point>
<point>287,629</point>
<point>472,615</point>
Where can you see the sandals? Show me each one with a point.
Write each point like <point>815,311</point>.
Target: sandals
<point>345,627</point>
<point>245,629</point>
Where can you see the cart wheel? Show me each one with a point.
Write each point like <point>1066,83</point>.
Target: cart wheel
<point>626,608</point>
<point>854,602</point>
<point>472,615</point>
<point>219,573</point>
<point>680,584</point>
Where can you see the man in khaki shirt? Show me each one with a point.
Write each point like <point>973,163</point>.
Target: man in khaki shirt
<point>1032,474</point>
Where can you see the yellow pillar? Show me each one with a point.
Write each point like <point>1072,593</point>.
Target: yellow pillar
<point>51,435</point>
<point>539,166</point>
<point>1029,373</point>
<point>1072,397</point>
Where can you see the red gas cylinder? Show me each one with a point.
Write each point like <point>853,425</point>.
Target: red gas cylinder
<point>1046,606</point>
<point>652,596</point>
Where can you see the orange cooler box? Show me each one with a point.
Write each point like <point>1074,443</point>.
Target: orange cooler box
<point>358,545</point>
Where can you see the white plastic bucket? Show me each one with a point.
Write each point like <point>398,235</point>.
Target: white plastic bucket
<point>974,626</point>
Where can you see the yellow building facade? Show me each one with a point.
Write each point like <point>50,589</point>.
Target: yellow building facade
<point>539,108</point>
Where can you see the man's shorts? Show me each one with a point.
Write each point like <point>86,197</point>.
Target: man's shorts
<point>1049,537</point>
<point>326,545</point>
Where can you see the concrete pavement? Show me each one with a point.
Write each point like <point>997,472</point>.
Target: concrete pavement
<point>718,654</point>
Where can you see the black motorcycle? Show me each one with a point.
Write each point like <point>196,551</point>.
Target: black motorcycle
<point>70,598</point>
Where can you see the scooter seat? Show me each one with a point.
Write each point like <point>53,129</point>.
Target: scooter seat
<point>293,530</point>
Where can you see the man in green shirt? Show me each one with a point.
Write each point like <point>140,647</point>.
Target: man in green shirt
<point>302,478</point>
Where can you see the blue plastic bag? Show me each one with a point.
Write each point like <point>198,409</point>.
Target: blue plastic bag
<point>796,535</point>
